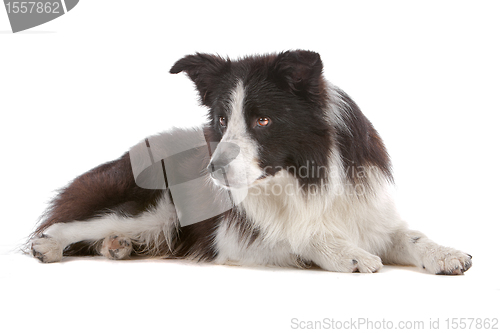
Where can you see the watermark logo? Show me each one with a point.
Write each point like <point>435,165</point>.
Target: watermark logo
<point>25,15</point>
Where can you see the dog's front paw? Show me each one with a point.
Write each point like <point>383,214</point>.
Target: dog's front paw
<point>367,263</point>
<point>360,262</point>
<point>447,261</point>
<point>46,249</point>
<point>116,247</point>
<point>349,260</point>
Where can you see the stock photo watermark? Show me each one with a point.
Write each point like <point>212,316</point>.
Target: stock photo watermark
<point>24,15</point>
<point>363,323</point>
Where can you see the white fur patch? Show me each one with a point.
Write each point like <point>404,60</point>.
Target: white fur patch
<point>244,170</point>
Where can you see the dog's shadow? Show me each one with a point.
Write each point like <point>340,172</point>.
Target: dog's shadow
<point>386,269</point>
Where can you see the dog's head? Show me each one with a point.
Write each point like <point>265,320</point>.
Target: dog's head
<point>266,113</point>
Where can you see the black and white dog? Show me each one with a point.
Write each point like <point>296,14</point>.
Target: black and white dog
<point>287,172</point>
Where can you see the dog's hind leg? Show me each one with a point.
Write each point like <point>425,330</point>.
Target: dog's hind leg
<point>101,234</point>
<point>112,235</point>
<point>98,234</point>
<point>88,210</point>
<point>411,247</point>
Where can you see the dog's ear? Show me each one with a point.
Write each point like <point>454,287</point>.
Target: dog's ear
<point>203,70</point>
<point>299,71</point>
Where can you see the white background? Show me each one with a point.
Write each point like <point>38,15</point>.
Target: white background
<point>80,90</point>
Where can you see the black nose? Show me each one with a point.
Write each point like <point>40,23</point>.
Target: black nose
<point>225,153</point>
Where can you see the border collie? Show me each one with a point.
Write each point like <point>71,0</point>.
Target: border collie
<point>286,172</point>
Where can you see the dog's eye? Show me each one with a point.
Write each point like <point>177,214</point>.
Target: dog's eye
<point>222,121</point>
<point>263,122</point>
